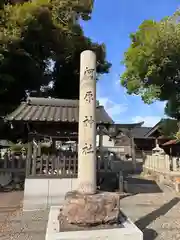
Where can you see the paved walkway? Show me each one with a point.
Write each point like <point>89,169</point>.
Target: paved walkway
<point>157,214</point>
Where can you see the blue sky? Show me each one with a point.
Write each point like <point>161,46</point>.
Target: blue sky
<point>111,23</point>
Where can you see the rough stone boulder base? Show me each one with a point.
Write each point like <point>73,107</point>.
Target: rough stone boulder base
<point>89,210</point>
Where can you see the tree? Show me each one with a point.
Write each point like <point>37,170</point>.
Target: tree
<point>35,34</point>
<point>153,63</point>
<point>168,127</point>
<point>66,73</point>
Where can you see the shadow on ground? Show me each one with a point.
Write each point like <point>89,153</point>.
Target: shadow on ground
<point>127,166</point>
<point>149,234</point>
<point>135,185</point>
<point>108,181</point>
<point>142,223</point>
<point>12,187</point>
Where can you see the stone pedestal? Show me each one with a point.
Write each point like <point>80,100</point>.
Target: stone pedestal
<point>87,124</point>
<point>125,231</point>
<point>91,210</point>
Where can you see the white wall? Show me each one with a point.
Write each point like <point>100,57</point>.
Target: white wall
<point>47,192</point>
<point>106,141</point>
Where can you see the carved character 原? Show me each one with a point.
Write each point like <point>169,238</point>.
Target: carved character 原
<point>89,97</point>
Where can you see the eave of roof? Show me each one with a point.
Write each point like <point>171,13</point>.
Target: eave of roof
<point>171,142</point>
<point>153,129</point>
<point>53,110</point>
<point>140,132</point>
<point>128,125</point>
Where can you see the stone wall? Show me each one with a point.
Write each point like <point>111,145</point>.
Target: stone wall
<point>163,169</point>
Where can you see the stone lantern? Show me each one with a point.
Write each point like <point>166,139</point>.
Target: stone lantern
<point>157,150</point>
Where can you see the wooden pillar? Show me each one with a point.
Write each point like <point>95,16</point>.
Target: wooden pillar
<point>133,154</point>
<point>100,138</point>
<point>121,182</point>
<point>100,160</point>
<point>54,145</point>
<point>39,149</point>
<point>29,159</point>
<point>34,158</point>
<point>170,151</point>
<point>156,142</point>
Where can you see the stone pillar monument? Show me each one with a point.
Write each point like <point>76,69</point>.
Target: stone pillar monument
<point>83,207</point>
<point>87,124</point>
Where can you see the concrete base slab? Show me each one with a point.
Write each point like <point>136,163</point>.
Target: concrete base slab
<point>40,194</point>
<point>127,231</point>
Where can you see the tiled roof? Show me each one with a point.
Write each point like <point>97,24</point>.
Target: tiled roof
<point>153,129</point>
<point>53,110</point>
<point>137,132</point>
<point>140,132</point>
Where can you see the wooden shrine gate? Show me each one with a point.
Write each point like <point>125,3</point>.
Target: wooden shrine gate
<point>62,164</point>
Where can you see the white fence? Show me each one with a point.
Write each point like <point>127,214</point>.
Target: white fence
<point>161,163</point>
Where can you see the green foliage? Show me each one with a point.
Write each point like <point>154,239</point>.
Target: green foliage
<point>173,107</point>
<point>153,63</point>
<point>35,33</point>
<point>168,127</point>
<point>177,135</point>
<point>17,148</point>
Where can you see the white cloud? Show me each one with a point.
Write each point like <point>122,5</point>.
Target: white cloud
<point>149,121</point>
<point>113,108</point>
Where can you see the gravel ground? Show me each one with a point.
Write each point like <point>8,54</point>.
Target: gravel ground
<point>10,204</point>
<point>17,225</point>
<point>26,226</point>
